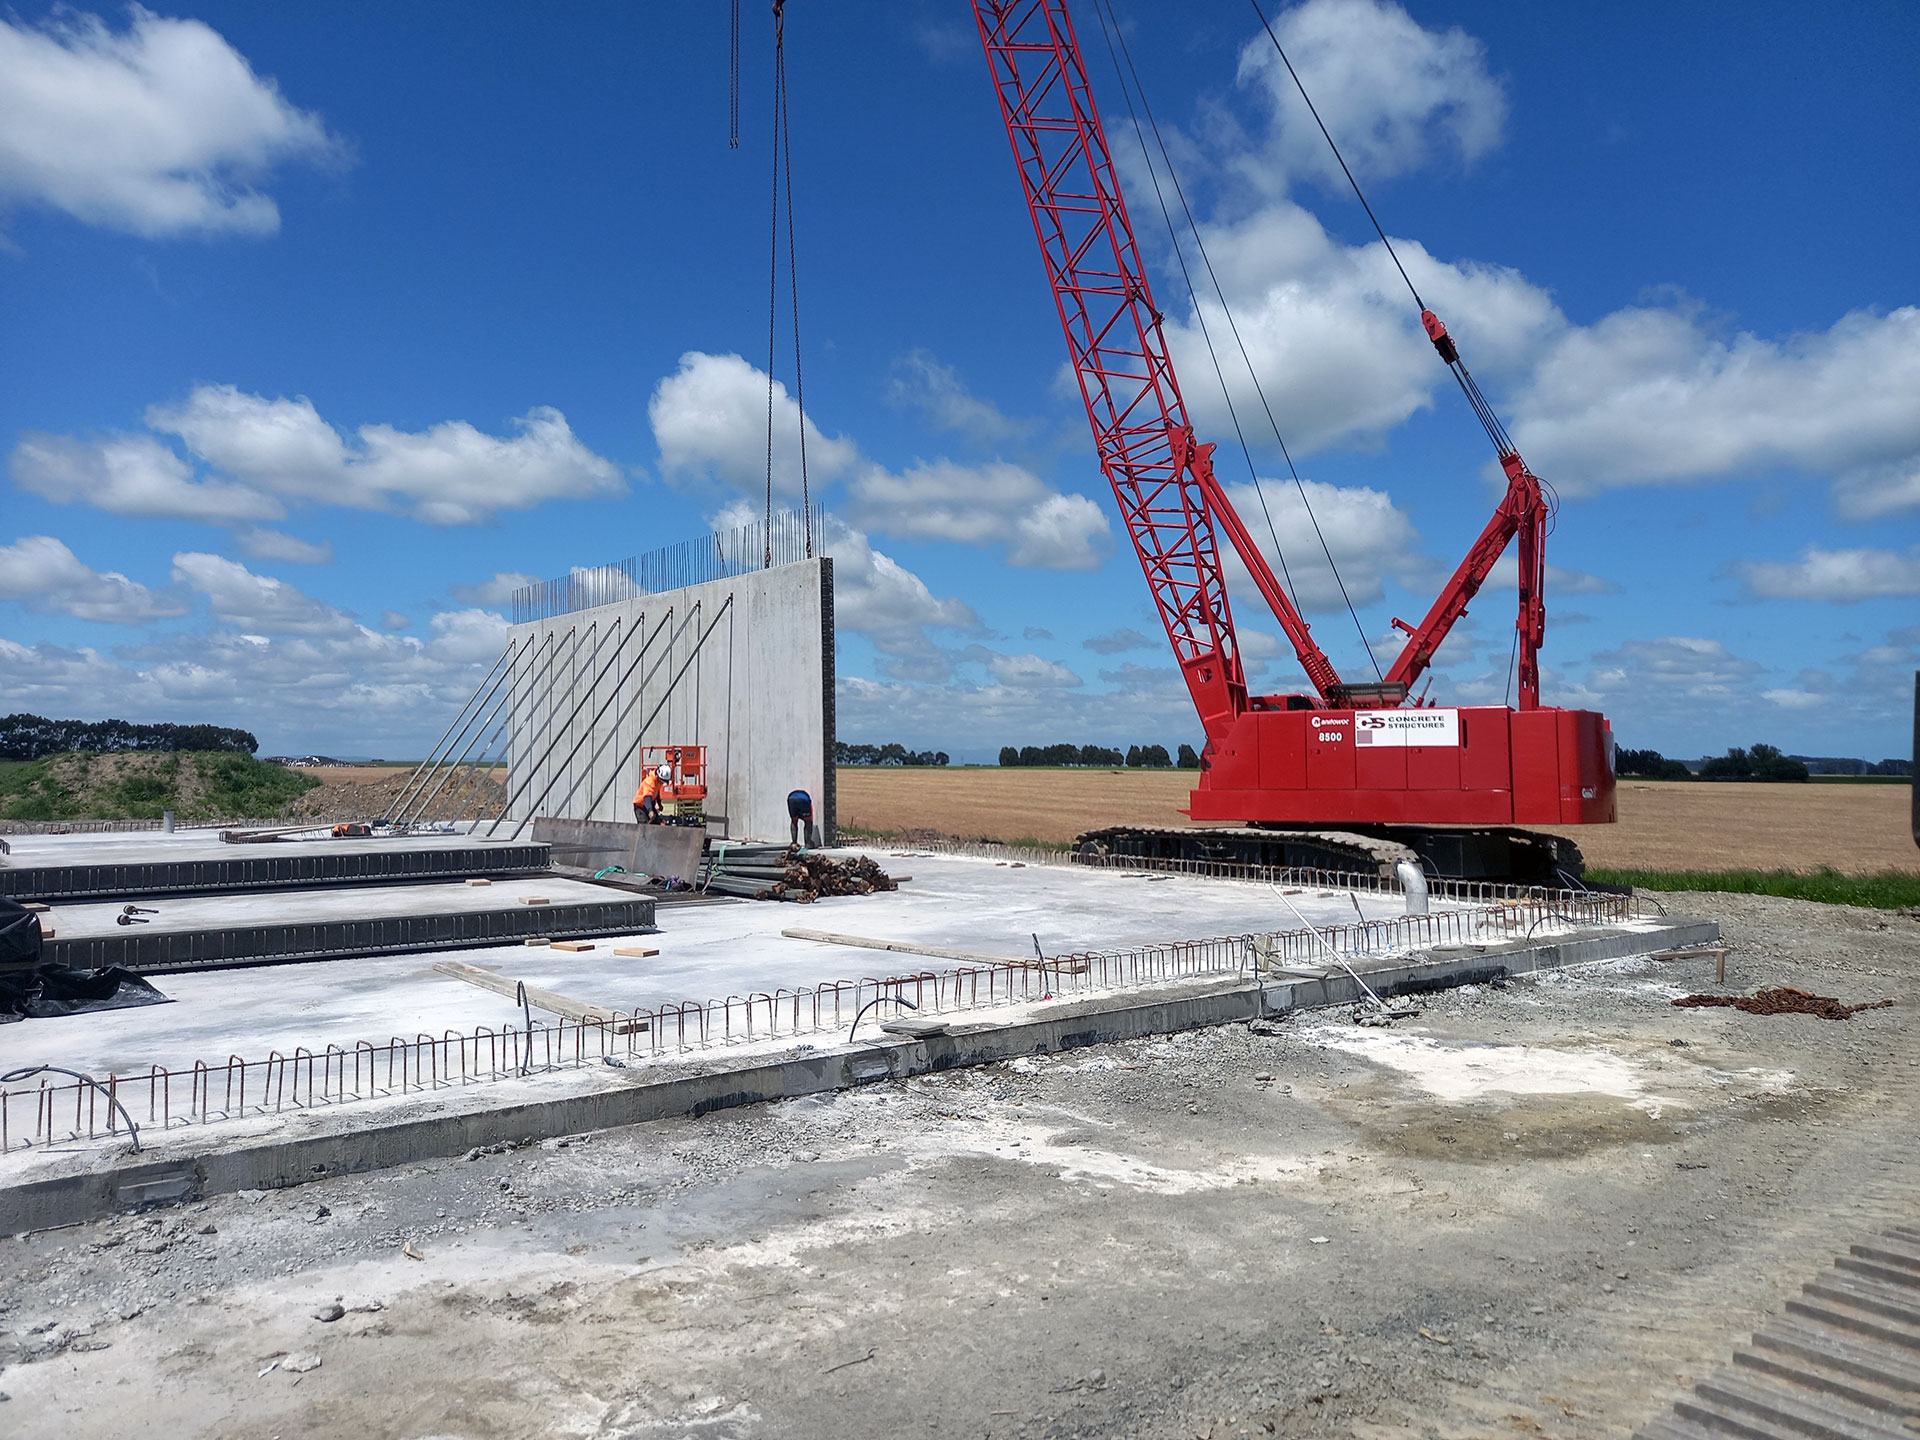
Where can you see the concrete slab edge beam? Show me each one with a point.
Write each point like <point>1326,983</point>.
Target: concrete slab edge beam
<point>1479,965</point>
<point>71,1199</point>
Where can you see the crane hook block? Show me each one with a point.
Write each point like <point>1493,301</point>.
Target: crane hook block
<point>1442,341</point>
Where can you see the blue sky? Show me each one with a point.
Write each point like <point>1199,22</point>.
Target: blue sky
<point>323,328</point>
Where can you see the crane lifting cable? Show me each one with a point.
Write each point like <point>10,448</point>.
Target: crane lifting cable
<point>783,208</point>
<point>733,80</point>
<point>1112,31</point>
<point>1528,510</point>
<point>1430,322</point>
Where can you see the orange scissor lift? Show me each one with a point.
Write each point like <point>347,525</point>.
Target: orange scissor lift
<point>683,795</point>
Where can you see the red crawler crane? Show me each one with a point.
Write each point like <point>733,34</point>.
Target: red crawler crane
<point>1353,759</point>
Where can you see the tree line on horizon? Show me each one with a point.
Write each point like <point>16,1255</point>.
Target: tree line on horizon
<point>34,737</point>
<point>1753,762</point>
<point>888,754</point>
<point>1147,757</point>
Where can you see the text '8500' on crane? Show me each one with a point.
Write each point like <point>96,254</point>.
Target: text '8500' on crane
<point>1350,776</point>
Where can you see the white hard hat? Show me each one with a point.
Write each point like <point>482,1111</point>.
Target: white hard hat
<point>664,773</point>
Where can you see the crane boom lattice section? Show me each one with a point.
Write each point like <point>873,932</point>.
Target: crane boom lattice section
<point>1114,335</point>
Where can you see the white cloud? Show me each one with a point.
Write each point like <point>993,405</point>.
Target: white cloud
<point>982,505</point>
<point>450,473</point>
<point>281,450</point>
<point>130,475</point>
<point>1370,537</point>
<point>356,691</point>
<point>468,637</point>
<point>1062,532</point>
<point>1657,394</point>
<point>257,603</point>
<point>457,475</point>
<point>1674,668</point>
<point>1257,649</point>
<point>54,679</point>
<point>942,500</point>
<point>919,380</point>
<point>159,129</point>
<point>1870,491</point>
<point>283,442</point>
<point>1029,672</point>
<point>1840,576</point>
<point>1392,92</point>
<point>277,545</point>
<point>1328,327</point>
<point>498,590</point>
<point>43,574</point>
<point>1794,699</point>
<point>710,421</point>
<point>393,620</point>
<point>876,596</point>
<point>1116,641</point>
<point>1332,333</point>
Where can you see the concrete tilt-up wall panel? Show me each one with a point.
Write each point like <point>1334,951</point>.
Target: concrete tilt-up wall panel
<point>758,693</point>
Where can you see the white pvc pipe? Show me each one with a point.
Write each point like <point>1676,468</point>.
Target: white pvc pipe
<point>1414,882</point>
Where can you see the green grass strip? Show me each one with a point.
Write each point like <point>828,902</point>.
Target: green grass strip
<point>1887,890</point>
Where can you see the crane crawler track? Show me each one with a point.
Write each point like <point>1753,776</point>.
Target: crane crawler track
<point>1499,854</point>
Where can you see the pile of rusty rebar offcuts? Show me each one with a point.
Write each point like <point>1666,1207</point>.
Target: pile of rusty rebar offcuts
<point>786,872</point>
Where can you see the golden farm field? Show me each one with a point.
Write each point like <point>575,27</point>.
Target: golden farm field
<point>1856,829</point>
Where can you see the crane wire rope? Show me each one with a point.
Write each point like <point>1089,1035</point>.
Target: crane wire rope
<point>1187,277</point>
<point>733,81</point>
<point>1103,10</point>
<point>1489,421</point>
<point>783,189</point>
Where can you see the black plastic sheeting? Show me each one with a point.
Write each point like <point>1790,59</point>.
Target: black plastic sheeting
<point>33,990</point>
<point>19,934</point>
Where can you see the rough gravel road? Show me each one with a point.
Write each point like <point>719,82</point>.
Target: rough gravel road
<point>1534,1210</point>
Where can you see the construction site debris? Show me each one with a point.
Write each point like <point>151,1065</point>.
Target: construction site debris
<point>50,990</point>
<point>943,952</point>
<point>786,872</point>
<point>1783,1000</point>
<point>550,1001</point>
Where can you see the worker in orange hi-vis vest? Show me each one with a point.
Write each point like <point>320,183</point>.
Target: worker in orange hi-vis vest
<point>646,800</point>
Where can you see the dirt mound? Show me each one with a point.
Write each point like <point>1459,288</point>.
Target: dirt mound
<point>362,793</point>
<point>1783,1000</point>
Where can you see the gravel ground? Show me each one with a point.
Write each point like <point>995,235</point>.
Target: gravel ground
<point>1538,1209</point>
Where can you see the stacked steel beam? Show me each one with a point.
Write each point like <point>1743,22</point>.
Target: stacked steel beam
<point>786,872</point>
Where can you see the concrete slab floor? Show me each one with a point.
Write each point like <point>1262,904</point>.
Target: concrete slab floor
<point>1538,1210</point>
<point>707,952</point>
<point>75,921</point>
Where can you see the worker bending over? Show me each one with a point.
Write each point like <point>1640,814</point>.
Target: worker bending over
<point>800,818</point>
<point>646,800</point>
